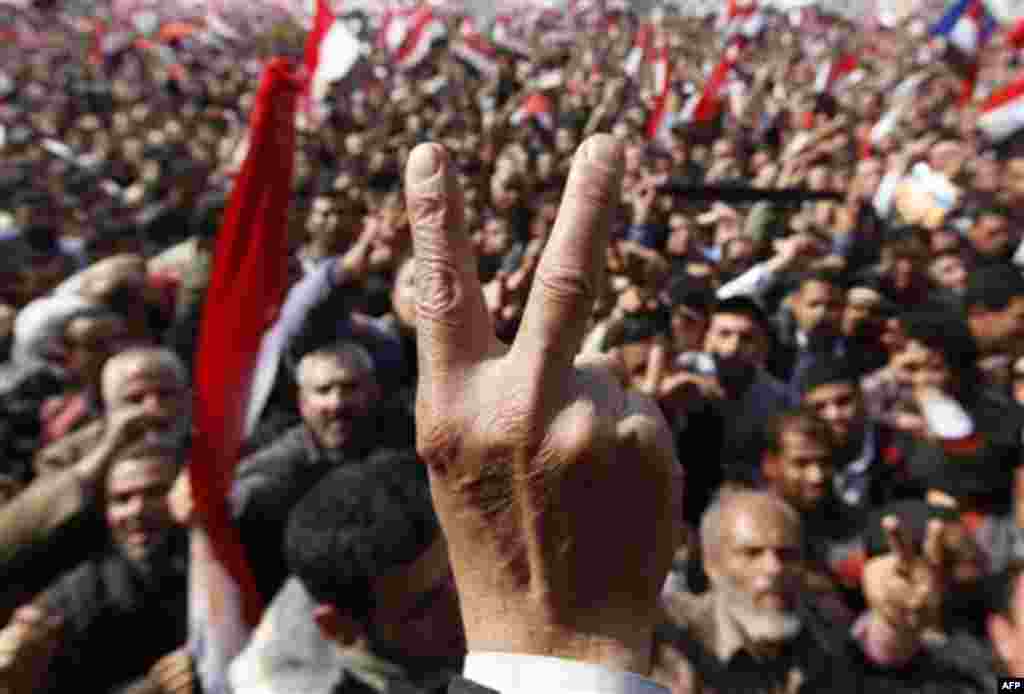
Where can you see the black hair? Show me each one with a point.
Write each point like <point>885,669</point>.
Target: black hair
<point>826,372</point>
<point>947,334</point>
<point>801,419</point>
<point>994,287</point>
<point>637,327</point>
<point>744,306</point>
<point>360,522</point>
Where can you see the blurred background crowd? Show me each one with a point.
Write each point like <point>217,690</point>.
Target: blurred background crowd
<point>815,269</point>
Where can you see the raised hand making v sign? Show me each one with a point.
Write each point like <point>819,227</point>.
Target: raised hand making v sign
<point>532,451</point>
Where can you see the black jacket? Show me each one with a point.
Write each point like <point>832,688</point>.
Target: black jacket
<point>267,487</point>
<point>117,622</point>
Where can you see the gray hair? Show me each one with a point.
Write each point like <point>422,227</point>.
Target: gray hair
<point>711,522</point>
<point>161,358</point>
<point>350,353</point>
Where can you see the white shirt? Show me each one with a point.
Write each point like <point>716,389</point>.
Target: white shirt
<point>515,673</point>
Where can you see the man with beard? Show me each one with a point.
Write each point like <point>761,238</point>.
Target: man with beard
<point>338,401</point>
<point>751,632</point>
<point>729,398</point>
<point>133,597</point>
<point>371,606</point>
<point>755,632</point>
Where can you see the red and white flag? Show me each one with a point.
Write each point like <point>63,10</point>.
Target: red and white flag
<point>409,34</point>
<point>331,51</point>
<point>475,50</point>
<point>709,105</point>
<point>505,36</point>
<point>659,119</point>
<point>1002,114</point>
<point>835,74</point>
<point>248,282</point>
<point>642,51</point>
<point>536,109</point>
<point>741,18</point>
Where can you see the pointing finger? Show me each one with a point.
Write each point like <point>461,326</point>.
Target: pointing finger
<point>899,543</point>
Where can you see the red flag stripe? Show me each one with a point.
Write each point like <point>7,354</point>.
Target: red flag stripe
<point>1004,96</point>
<point>249,275</point>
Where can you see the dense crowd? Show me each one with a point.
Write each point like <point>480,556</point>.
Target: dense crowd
<point>843,376</point>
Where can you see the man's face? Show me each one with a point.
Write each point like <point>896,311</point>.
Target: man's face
<point>860,314</point>
<point>818,308</point>
<point>998,330</point>
<point>680,235</point>
<point>924,367</point>
<point>417,608</point>
<point>323,219</point>
<point>334,395</point>
<point>990,235</point>
<point>949,271</point>
<point>869,177</point>
<point>755,567</point>
<point>138,516</point>
<point>688,328</point>
<point>841,406</point>
<point>734,338</point>
<point>159,392</point>
<point>802,470</point>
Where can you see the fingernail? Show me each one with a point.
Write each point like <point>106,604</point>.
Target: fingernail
<point>603,150</point>
<point>424,163</point>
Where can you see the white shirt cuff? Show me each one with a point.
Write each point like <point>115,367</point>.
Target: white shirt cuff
<point>515,673</point>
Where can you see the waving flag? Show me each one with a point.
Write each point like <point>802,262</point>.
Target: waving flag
<point>1015,37</point>
<point>709,105</point>
<point>331,51</point>
<point>409,34</point>
<point>1002,114</point>
<point>967,27</point>
<point>744,20</point>
<point>642,50</point>
<point>475,50</point>
<point>536,110</point>
<point>506,37</point>
<point>835,74</point>
<point>659,120</point>
<point>249,278</point>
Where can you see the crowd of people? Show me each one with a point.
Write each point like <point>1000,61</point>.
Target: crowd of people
<point>833,384</point>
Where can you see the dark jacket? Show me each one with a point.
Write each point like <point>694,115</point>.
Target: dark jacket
<point>117,622</point>
<point>269,483</point>
<point>956,665</point>
<point>697,648</point>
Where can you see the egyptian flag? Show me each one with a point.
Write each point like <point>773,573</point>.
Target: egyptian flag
<point>248,282</point>
<point>331,51</point>
<point>967,27</point>
<point>505,37</point>
<point>1002,114</point>
<point>409,35</point>
<point>835,74</point>
<point>642,51</point>
<point>1015,37</point>
<point>536,110</point>
<point>741,20</point>
<point>473,49</point>
<point>709,105</point>
<point>659,119</point>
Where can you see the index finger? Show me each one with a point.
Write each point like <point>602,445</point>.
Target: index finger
<point>453,326</point>
<point>934,544</point>
<point>572,265</point>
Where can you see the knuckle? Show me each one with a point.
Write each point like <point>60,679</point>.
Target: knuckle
<point>566,284</point>
<point>439,294</point>
<point>438,445</point>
